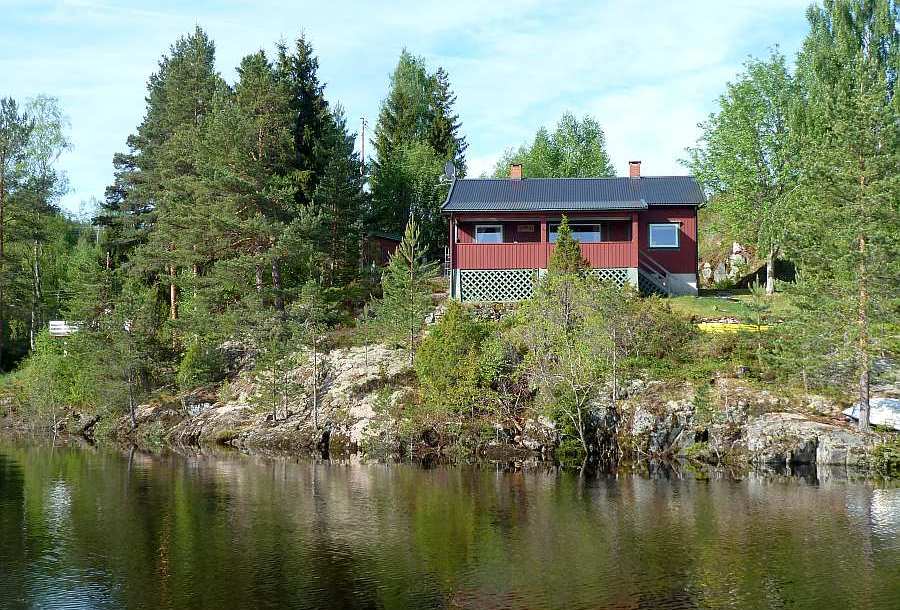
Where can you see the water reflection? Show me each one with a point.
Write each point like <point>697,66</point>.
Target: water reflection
<point>90,528</point>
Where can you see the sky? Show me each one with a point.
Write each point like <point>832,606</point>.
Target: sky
<point>649,71</point>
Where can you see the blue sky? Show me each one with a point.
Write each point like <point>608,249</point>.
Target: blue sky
<point>648,70</point>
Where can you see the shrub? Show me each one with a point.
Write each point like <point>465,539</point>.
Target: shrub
<point>454,371</point>
<point>58,375</point>
<point>885,459</point>
<point>199,365</point>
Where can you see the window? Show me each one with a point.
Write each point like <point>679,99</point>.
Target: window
<point>585,233</point>
<point>488,234</point>
<point>664,235</point>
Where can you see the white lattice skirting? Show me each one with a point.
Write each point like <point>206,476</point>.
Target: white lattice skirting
<point>618,276</point>
<point>505,285</point>
<point>496,284</point>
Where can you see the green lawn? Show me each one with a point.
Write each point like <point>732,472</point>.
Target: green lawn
<point>712,305</point>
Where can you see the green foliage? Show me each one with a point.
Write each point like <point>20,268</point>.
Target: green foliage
<point>417,132</point>
<point>805,164</point>
<point>703,404</point>
<point>575,149</point>
<point>453,372</point>
<point>885,458</point>
<point>566,256</point>
<point>699,452</point>
<point>32,137</point>
<point>746,156</point>
<point>846,205</point>
<point>406,291</point>
<point>582,336</point>
<point>274,339</point>
<point>49,382</point>
<point>231,199</point>
<point>200,364</point>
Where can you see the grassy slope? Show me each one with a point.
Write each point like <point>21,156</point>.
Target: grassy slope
<point>711,305</point>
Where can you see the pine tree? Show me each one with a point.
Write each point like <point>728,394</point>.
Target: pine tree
<point>406,291</point>
<point>179,95</point>
<point>847,213</point>
<point>335,227</point>
<point>159,177</point>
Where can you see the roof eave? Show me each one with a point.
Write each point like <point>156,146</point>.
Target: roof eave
<point>447,200</point>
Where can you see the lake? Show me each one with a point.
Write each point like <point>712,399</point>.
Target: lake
<point>82,527</point>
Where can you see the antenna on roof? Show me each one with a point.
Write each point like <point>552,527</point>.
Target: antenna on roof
<point>449,174</point>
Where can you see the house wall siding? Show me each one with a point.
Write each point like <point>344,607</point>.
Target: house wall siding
<point>682,260</point>
<point>621,252</point>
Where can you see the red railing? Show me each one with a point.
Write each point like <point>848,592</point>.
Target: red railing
<point>501,256</point>
<point>534,255</point>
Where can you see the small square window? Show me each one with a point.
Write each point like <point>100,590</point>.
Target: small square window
<point>664,235</point>
<point>489,234</point>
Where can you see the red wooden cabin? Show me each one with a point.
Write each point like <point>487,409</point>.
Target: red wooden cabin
<point>378,247</point>
<point>640,229</point>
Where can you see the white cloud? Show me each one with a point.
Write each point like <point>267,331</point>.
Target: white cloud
<point>648,71</point>
<point>481,166</point>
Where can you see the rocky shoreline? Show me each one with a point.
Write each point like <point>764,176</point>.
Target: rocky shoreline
<point>361,398</point>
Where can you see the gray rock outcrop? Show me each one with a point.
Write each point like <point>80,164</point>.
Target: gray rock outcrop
<point>791,438</point>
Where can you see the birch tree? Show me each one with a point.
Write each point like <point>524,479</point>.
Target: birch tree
<point>746,157</point>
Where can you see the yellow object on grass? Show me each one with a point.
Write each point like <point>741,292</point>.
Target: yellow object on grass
<point>727,327</point>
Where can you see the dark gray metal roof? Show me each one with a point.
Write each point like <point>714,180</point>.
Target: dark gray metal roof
<point>561,194</point>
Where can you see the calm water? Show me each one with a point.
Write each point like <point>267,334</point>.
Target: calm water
<point>86,528</point>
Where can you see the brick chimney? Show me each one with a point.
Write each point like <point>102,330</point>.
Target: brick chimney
<point>515,171</point>
<point>634,169</point>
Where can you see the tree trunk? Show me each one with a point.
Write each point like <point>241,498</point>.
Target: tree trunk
<point>315,383</point>
<point>770,271</point>
<point>274,387</point>
<point>131,398</point>
<point>173,295</point>
<point>2,257</point>
<point>863,340</point>
<point>276,284</point>
<point>35,294</point>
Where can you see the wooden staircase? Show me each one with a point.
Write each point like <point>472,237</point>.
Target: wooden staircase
<point>652,276</point>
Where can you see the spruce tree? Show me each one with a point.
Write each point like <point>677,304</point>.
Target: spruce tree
<point>445,132</point>
<point>312,121</point>
<point>335,226</point>
<point>566,257</point>
<point>417,132</point>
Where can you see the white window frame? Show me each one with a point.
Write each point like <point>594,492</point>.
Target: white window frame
<point>653,225</point>
<point>551,232</point>
<point>493,226</point>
